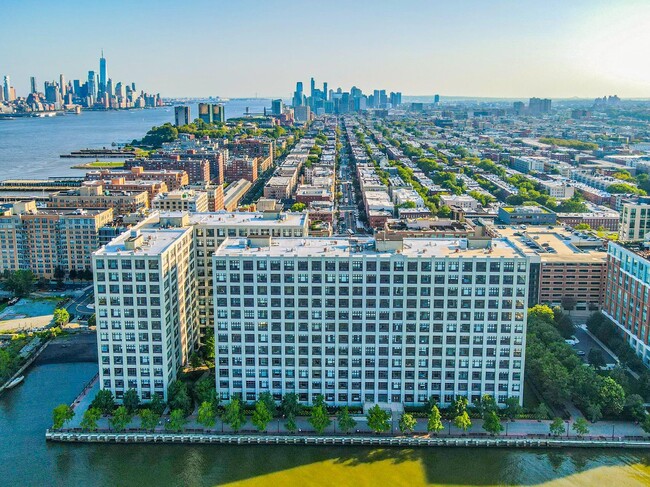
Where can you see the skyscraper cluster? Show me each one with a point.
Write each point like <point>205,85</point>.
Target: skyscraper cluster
<point>97,91</point>
<point>337,101</point>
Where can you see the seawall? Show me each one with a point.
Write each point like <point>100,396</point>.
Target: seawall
<point>221,439</point>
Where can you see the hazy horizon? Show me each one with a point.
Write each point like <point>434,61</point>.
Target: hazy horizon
<point>503,49</point>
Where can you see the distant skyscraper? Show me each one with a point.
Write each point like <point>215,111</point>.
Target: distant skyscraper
<point>102,73</point>
<point>52,94</point>
<point>312,87</point>
<point>537,106</point>
<point>297,95</point>
<point>109,87</point>
<point>205,112</point>
<point>32,84</point>
<point>62,85</point>
<point>325,90</point>
<point>436,99</point>
<point>218,114</point>
<point>6,88</point>
<point>276,107</point>
<point>92,87</point>
<point>395,99</point>
<point>182,115</point>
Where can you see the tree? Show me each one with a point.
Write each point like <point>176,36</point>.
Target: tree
<point>434,422</point>
<point>206,415</point>
<point>634,407</point>
<point>491,423</point>
<point>178,397</point>
<point>195,360</point>
<point>487,404</point>
<point>583,226</point>
<point>462,421</point>
<point>459,406</point>
<point>61,316</point>
<point>596,358</point>
<point>208,346</point>
<point>512,407</point>
<point>233,415</point>
<point>444,211</point>
<point>90,418</point>
<point>131,401</point>
<point>176,421</point>
<point>104,402</point>
<point>121,418</point>
<point>291,424</point>
<point>594,413</point>
<point>557,427</point>
<point>261,416</point>
<point>580,426</point>
<point>20,283</point>
<point>319,418</point>
<point>612,396</point>
<point>378,419</point>
<point>92,321</point>
<point>543,312</point>
<point>61,415</point>
<point>157,405</point>
<point>269,402</point>
<point>431,403</point>
<point>149,419</point>
<point>346,422</point>
<point>59,274</point>
<point>542,412</point>
<point>407,423</point>
<point>298,207</point>
<point>73,275</point>
<point>204,390</point>
<point>289,405</point>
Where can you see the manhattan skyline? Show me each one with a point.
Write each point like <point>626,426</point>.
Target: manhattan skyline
<point>504,50</point>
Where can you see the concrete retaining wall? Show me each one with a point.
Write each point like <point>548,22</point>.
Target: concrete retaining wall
<point>194,438</point>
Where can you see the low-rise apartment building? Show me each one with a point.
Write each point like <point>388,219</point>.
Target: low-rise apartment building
<point>181,200</point>
<point>94,195</point>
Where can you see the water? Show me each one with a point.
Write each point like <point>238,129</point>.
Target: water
<point>30,147</point>
<point>26,459</point>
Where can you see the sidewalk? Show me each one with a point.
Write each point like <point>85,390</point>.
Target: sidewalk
<point>521,427</point>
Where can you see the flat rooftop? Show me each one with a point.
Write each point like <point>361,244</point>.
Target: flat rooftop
<point>553,244</point>
<point>226,219</point>
<point>341,247</point>
<point>155,241</point>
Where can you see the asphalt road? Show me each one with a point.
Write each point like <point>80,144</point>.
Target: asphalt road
<point>79,306</point>
<point>587,343</point>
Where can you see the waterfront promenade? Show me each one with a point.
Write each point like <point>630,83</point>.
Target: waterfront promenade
<point>532,433</point>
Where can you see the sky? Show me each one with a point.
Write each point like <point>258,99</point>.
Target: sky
<point>246,48</point>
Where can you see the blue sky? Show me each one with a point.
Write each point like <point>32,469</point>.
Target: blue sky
<point>499,48</point>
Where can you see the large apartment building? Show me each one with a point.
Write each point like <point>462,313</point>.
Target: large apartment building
<point>42,240</point>
<point>364,321</point>
<point>627,295</point>
<point>145,304</point>
<point>635,220</point>
<point>178,247</point>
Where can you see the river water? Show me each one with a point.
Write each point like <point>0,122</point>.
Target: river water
<point>26,459</point>
<point>30,148</point>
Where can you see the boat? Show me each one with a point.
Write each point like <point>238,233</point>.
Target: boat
<point>15,382</point>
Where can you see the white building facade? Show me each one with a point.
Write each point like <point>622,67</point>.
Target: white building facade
<point>362,324</point>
